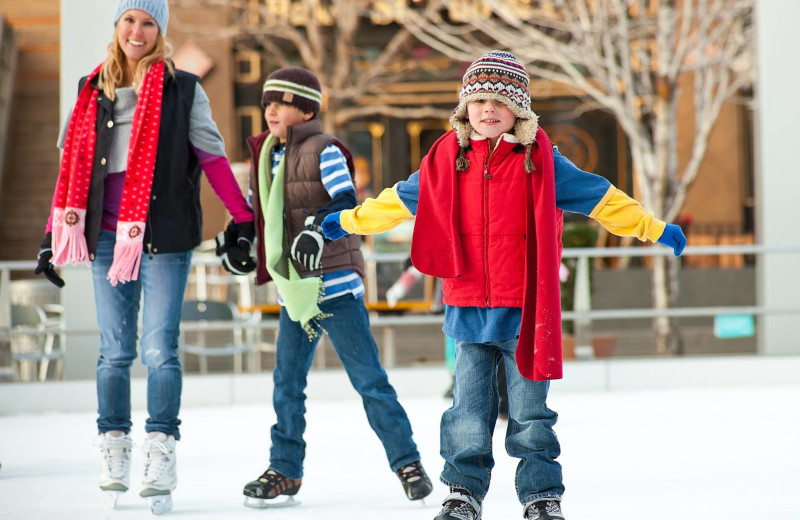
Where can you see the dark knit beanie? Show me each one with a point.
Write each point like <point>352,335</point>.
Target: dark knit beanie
<point>294,86</point>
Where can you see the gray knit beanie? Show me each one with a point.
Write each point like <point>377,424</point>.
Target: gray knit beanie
<point>158,9</point>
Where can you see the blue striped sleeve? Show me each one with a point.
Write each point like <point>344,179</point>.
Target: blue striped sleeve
<point>576,190</point>
<point>334,171</point>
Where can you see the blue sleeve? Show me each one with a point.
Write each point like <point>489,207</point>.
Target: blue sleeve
<point>334,171</point>
<point>345,199</point>
<point>577,191</point>
<point>335,176</point>
<point>408,191</point>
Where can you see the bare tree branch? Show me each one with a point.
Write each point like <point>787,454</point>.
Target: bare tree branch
<point>324,35</point>
<point>629,57</point>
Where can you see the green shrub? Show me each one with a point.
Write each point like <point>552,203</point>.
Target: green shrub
<point>576,234</point>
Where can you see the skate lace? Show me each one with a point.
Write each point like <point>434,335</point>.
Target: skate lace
<point>271,477</point>
<point>459,506</point>
<point>544,506</point>
<point>115,451</point>
<point>156,459</point>
<point>411,472</point>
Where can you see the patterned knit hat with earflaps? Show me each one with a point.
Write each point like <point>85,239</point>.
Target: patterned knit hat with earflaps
<point>294,86</point>
<point>496,75</point>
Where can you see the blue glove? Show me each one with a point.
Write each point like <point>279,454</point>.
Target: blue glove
<point>332,228</point>
<point>673,237</point>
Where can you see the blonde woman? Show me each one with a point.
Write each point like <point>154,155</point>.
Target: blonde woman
<point>127,201</point>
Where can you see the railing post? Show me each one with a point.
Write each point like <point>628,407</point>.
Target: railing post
<point>201,283</point>
<point>583,302</point>
<point>389,348</point>
<point>5,298</point>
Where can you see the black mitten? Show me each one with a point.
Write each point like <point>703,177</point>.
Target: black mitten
<point>233,246</point>
<point>44,265</point>
<point>308,244</point>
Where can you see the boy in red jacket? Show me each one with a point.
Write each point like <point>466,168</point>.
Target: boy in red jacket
<point>488,200</point>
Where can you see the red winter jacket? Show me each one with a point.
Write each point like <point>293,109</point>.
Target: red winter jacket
<point>473,230</point>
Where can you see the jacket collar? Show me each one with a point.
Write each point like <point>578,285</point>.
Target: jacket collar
<point>299,133</point>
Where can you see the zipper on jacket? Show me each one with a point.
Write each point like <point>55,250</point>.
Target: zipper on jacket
<point>486,177</point>
<point>150,244</point>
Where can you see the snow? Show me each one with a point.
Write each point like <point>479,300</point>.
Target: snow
<point>713,453</point>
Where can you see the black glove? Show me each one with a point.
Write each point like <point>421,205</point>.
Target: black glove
<point>307,246</point>
<point>233,247</point>
<point>44,266</point>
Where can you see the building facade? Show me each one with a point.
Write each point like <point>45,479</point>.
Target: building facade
<point>387,148</point>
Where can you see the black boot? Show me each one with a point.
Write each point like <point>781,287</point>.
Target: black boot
<point>263,491</point>
<point>543,509</point>
<point>415,482</point>
<point>460,505</point>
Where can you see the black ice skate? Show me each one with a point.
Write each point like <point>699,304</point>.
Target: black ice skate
<point>543,509</point>
<point>415,481</point>
<point>460,505</point>
<point>264,492</point>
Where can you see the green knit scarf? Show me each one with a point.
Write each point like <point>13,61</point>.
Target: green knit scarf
<point>300,295</point>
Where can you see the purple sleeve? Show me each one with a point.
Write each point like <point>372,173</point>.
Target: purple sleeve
<point>220,176</point>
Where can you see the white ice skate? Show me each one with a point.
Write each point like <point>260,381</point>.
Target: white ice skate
<point>115,472</point>
<point>160,476</point>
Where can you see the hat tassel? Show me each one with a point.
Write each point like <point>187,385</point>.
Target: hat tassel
<point>462,163</point>
<point>529,166</point>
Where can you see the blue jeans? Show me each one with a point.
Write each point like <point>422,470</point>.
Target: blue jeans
<point>467,427</point>
<point>162,281</point>
<point>349,332</point>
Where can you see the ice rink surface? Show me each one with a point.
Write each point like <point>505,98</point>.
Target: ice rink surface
<point>712,454</point>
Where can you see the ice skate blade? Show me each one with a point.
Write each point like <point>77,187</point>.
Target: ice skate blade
<point>114,495</point>
<point>264,503</point>
<point>160,504</point>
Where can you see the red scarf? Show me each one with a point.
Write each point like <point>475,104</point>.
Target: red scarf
<point>75,174</point>
<point>436,248</point>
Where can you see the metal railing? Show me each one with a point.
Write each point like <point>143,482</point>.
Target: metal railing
<point>582,316</point>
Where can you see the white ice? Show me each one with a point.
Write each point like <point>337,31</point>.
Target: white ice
<point>714,454</point>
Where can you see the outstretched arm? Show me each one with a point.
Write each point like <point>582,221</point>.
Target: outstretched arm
<point>390,208</point>
<point>595,197</point>
<point>624,216</point>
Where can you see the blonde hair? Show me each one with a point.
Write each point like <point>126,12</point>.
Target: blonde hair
<point>115,69</point>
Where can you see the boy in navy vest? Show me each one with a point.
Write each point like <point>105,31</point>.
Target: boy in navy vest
<point>299,176</point>
<point>488,200</point>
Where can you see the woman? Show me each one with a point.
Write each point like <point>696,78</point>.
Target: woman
<point>127,200</point>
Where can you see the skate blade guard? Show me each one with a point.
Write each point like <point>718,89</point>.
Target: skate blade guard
<point>270,503</point>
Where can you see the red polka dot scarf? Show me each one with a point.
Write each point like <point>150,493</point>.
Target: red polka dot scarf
<point>74,178</point>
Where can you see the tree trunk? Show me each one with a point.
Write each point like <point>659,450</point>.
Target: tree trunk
<point>664,288</point>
